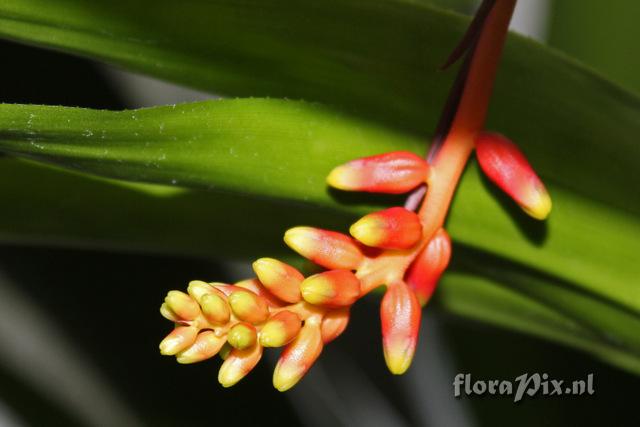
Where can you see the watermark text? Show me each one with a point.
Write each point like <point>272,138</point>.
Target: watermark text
<point>526,385</point>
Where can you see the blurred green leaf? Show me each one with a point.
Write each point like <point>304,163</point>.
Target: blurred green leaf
<point>374,66</point>
<point>603,34</point>
<point>494,290</point>
<point>460,6</point>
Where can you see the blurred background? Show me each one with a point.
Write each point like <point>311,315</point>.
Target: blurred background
<point>79,329</point>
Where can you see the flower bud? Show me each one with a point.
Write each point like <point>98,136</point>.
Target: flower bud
<point>207,345</point>
<point>215,309</point>
<point>225,351</point>
<point>238,364</point>
<point>326,248</point>
<point>423,275</point>
<point>242,335</point>
<point>394,228</point>
<point>223,288</point>
<point>394,173</point>
<point>334,288</point>
<point>179,339</point>
<point>279,278</point>
<point>197,289</point>
<point>503,162</point>
<point>182,305</point>
<point>280,329</point>
<point>248,306</point>
<point>259,289</point>
<point>168,314</point>
<point>334,323</point>
<point>298,356</point>
<point>400,315</point>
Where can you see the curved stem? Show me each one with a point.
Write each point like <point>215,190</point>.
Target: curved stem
<point>449,162</point>
<point>469,118</point>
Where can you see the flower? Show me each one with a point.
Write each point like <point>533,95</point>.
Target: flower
<point>404,251</point>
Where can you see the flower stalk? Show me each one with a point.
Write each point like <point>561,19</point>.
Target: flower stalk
<point>399,249</point>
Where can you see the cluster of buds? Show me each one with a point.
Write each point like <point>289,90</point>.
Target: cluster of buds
<point>393,248</point>
<point>398,249</point>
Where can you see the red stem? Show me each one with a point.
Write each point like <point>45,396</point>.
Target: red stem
<point>450,160</point>
<point>469,118</point>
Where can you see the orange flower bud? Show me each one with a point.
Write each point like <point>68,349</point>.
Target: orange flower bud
<point>505,165</point>
<point>215,308</point>
<point>280,329</point>
<point>334,323</point>
<point>298,356</point>
<point>335,288</point>
<point>394,228</point>
<point>179,339</point>
<point>223,288</point>
<point>197,289</point>
<point>207,345</point>
<point>423,275</point>
<point>400,315</point>
<point>168,314</point>
<point>242,335</point>
<point>248,306</point>
<point>182,305</point>
<point>279,278</point>
<point>395,173</point>
<point>238,364</point>
<point>326,248</point>
<point>257,288</point>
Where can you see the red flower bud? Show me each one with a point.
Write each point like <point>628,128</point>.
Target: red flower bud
<point>424,273</point>
<point>400,315</point>
<point>507,167</point>
<point>395,173</point>
<point>335,288</point>
<point>326,248</point>
<point>394,228</point>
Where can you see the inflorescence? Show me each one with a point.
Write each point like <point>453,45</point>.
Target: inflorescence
<point>402,250</point>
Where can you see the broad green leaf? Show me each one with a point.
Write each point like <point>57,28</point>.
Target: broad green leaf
<point>282,150</point>
<point>603,34</point>
<point>493,302</point>
<point>374,66</point>
<point>378,59</point>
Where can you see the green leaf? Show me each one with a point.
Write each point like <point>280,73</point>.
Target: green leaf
<point>282,150</point>
<point>376,59</point>
<point>494,290</point>
<point>602,34</point>
<point>374,66</point>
